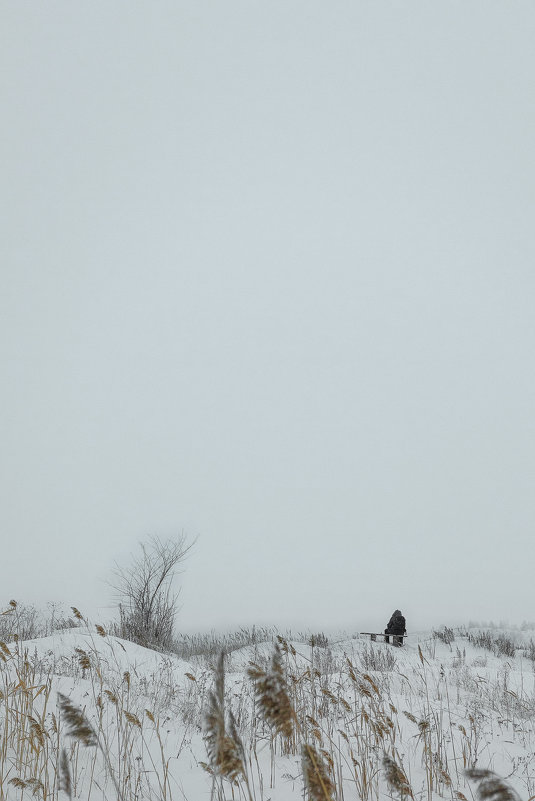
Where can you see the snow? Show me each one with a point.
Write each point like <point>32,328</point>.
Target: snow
<point>439,709</point>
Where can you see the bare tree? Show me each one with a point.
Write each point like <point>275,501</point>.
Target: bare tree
<point>148,604</point>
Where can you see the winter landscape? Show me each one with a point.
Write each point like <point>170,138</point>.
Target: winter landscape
<point>267,297</point>
<point>267,716</point>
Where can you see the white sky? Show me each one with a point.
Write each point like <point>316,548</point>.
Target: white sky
<point>267,277</point>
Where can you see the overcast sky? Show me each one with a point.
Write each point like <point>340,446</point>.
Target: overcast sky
<point>268,278</point>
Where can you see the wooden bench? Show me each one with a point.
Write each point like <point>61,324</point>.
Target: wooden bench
<point>397,639</point>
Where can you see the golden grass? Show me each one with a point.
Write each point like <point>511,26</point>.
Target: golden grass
<point>335,719</point>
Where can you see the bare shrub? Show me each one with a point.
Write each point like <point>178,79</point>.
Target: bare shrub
<point>459,659</point>
<point>505,646</point>
<point>483,639</point>
<point>445,635</point>
<point>147,603</point>
<point>499,645</point>
<point>380,659</point>
<point>529,650</point>
<point>23,622</point>
<point>319,640</point>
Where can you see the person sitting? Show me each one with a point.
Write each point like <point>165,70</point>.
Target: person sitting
<point>396,627</point>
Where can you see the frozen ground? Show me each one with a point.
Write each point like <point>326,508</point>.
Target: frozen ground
<point>436,708</point>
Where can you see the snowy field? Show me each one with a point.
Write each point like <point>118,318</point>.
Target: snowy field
<point>89,716</point>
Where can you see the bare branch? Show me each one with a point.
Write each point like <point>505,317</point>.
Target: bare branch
<point>143,589</point>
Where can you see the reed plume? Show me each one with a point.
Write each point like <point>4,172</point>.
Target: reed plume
<point>222,748</point>
<point>318,784</point>
<point>490,786</point>
<point>132,719</point>
<point>396,778</point>
<point>78,725</point>
<point>83,659</point>
<point>65,782</point>
<point>272,695</point>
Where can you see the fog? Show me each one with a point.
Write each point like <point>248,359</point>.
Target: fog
<point>267,279</point>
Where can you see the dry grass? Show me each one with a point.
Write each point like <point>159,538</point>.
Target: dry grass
<point>337,724</point>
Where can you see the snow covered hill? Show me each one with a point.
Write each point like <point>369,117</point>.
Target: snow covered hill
<point>434,708</point>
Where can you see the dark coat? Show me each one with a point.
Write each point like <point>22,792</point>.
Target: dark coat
<point>396,624</point>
